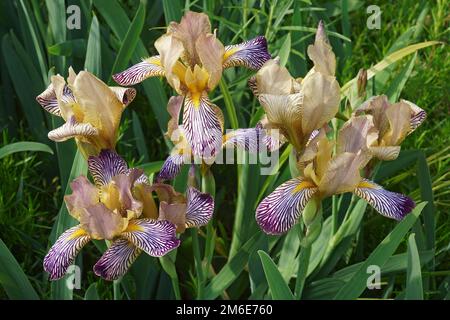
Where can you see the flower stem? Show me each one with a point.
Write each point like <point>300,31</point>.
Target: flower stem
<point>302,272</point>
<point>198,263</point>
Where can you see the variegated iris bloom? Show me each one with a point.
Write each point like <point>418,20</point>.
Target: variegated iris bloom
<point>90,108</point>
<point>253,140</point>
<point>325,171</point>
<point>394,121</point>
<point>120,208</point>
<point>192,59</point>
<point>298,106</point>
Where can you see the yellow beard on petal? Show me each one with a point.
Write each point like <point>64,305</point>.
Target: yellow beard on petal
<point>78,233</point>
<point>196,82</point>
<point>133,227</point>
<point>303,185</point>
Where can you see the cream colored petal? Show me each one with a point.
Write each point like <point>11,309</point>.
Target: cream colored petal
<point>210,52</point>
<point>385,153</point>
<point>399,116</point>
<point>376,106</point>
<point>72,129</point>
<point>358,133</point>
<point>71,77</point>
<point>65,107</point>
<point>321,97</point>
<point>100,107</point>
<point>175,213</point>
<point>342,174</point>
<point>284,112</point>
<point>102,223</point>
<point>274,79</point>
<point>322,54</point>
<point>124,95</point>
<point>170,50</point>
<point>84,194</point>
<point>191,26</point>
<point>418,115</point>
<point>174,108</point>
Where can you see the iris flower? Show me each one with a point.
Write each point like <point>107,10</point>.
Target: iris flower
<point>325,172</point>
<point>394,122</point>
<point>250,139</point>
<point>91,109</point>
<point>119,208</point>
<point>192,59</point>
<point>297,107</point>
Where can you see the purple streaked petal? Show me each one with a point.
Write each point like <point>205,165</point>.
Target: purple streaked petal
<point>203,125</point>
<point>72,129</point>
<point>62,254</point>
<point>150,67</point>
<point>390,204</point>
<point>124,95</point>
<point>48,101</point>
<point>156,238</point>
<point>200,208</point>
<point>142,179</point>
<point>280,210</point>
<point>171,167</point>
<point>105,166</point>
<point>251,54</point>
<point>248,139</point>
<point>116,261</point>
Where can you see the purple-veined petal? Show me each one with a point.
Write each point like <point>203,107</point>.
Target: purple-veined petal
<point>203,125</point>
<point>251,54</point>
<point>155,237</point>
<point>390,204</point>
<point>48,101</point>
<point>280,210</point>
<point>248,139</point>
<point>115,262</point>
<point>105,166</point>
<point>72,129</point>
<point>150,67</point>
<point>200,208</point>
<point>124,95</point>
<point>141,179</point>
<point>62,254</point>
<point>171,167</point>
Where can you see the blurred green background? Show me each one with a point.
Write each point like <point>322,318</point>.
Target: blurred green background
<point>35,43</point>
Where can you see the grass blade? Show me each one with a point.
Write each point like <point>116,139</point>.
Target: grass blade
<point>93,62</point>
<point>12,278</point>
<point>24,146</point>
<point>414,289</point>
<point>353,288</point>
<point>278,287</point>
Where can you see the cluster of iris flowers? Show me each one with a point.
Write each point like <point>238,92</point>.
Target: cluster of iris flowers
<point>133,215</point>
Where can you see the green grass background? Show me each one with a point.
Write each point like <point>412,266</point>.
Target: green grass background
<point>35,44</point>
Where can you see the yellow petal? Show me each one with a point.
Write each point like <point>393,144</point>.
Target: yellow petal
<point>170,50</point>
<point>210,52</point>
<point>100,107</point>
<point>321,99</point>
<point>399,116</point>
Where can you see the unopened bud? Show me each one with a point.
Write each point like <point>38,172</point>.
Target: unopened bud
<point>312,211</point>
<point>362,82</point>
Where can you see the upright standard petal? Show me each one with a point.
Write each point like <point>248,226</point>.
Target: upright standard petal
<point>321,53</point>
<point>200,208</point>
<point>203,126</point>
<point>321,97</point>
<point>63,252</point>
<point>72,129</point>
<point>101,223</point>
<point>274,79</point>
<point>174,213</point>
<point>280,210</point>
<point>389,204</point>
<point>170,49</point>
<point>100,107</point>
<point>115,262</point>
<point>156,238</point>
<point>149,67</point>
<point>251,54</point>
<point>210,52</point>
<point>174,108</point>
<point>84,195</point>
<point>105,166</point>
<point>358,133</point>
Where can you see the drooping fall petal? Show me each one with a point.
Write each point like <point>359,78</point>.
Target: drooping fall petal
<point>105,166</point>
<point>390,204</point>
<point>251,54</point>
<point>115,262</point>
<point>200,208</point>
<point>72,129</point>
<point>62,254</point>
<point>280,210</point>
<point>150,67</point>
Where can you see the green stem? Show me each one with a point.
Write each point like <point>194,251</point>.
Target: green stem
<point>198,263</point>
<point>303,263</point>
<point>231,110</point>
